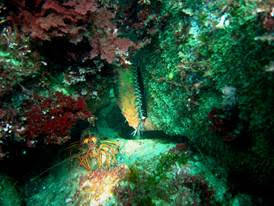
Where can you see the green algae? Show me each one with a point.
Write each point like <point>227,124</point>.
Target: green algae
<point>9,195</point>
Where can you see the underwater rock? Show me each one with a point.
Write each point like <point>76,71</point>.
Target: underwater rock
<point>192,67</point>
<point>148,172</point>
<point>109,115</point>
<point>9,195</point>
<point>98,187</point>
<point>18,60</point>
<point>71,184</point>
<point>241,200</point>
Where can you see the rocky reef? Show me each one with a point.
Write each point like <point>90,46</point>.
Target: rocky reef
<point>141,102</point>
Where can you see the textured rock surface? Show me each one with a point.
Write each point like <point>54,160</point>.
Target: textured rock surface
<point>9,196</point>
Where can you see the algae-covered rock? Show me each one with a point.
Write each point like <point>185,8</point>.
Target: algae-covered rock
<point>70,184</point>
<point>241,200</point>
<point>17,60</point>
<point>9,195</point>
<point>201,72</point>
<point>147,172</point>
<point>206,77</point>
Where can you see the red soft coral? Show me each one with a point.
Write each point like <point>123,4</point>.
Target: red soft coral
<point>108,47</point>
<point>55,19</point>
<point>105,42</point>
<point>70,20</point>
<point>53,118</point>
